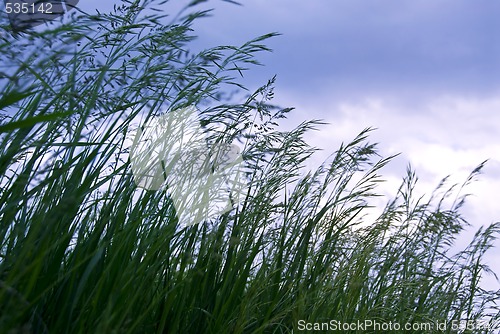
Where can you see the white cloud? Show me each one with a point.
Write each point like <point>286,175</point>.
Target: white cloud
<point>449,135</point>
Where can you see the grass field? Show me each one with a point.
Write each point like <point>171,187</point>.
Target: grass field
<point>84,250</point>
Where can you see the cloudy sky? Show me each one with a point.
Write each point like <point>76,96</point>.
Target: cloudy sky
<point>424,73</point>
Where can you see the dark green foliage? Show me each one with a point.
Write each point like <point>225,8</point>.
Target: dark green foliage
<point>83,250</point>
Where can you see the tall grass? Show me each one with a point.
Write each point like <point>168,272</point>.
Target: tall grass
<point>84,250</point>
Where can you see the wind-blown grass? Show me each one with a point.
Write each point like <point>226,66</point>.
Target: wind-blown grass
<point>82,249</point>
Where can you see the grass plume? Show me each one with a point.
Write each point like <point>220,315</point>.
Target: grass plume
<point>82,249</point>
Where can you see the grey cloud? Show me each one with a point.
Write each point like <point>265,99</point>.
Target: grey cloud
<point>347,48</point>
<point>375,47</point>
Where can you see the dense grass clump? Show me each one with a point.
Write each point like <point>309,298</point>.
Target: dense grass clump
<point>84,250</point>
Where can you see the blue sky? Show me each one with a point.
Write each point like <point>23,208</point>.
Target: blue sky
<point>424,73</point>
